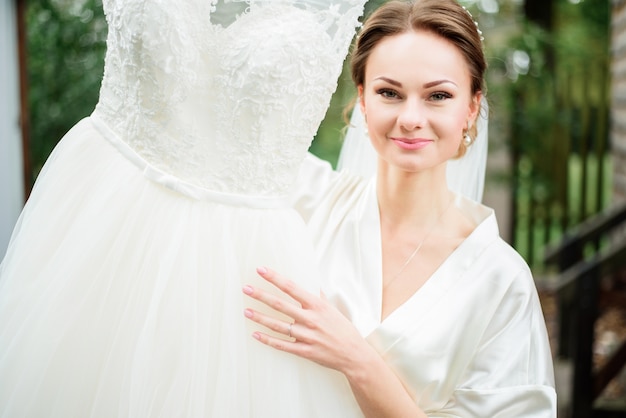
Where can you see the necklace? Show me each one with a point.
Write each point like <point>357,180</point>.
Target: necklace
<point>419,246</point>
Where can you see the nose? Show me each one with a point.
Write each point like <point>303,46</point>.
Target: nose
<point>411,115</point>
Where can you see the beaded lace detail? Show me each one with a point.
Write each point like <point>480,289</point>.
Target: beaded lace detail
<point>225,95</point>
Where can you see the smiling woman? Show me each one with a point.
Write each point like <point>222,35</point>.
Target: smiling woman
<point>427,311</point>
<point>410,110</point>
<point>417,107</point>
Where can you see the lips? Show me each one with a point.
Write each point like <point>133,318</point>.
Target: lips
<point>411,143</point>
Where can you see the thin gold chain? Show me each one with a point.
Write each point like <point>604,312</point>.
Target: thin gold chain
<point>419,246</point>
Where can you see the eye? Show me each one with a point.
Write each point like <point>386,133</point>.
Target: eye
<point>387,93</point>
<point>440,95</point>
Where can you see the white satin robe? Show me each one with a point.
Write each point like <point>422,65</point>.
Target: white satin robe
<point>471,342</point>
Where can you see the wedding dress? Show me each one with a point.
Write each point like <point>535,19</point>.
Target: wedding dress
<point>120,293</point>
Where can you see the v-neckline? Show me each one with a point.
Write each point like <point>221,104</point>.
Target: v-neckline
<point>430,292</point>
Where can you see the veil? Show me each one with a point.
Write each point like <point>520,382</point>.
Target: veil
<point>466,175</point>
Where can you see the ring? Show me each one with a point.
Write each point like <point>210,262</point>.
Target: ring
<point>289,330</point>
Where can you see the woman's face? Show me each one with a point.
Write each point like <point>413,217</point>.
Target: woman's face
<point>417,100</point>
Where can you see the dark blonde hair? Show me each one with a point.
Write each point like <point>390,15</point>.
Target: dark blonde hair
<point>445,18</point>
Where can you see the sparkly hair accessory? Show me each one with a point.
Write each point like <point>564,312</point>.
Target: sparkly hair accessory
<point>480,33</point>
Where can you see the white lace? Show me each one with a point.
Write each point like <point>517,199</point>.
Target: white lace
<point>224,95</point>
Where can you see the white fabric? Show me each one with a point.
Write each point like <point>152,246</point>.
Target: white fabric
<point>229,106</point>
<point>466,175</point>
<point>472,341</point>
<point>120,294</point>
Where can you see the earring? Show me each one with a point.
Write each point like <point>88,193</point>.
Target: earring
<point>467,139</point>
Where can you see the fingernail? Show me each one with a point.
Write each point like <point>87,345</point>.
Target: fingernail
<point>261,270</point>
<point>247,313</point>
<point>247,290</point>
<point>256,335</point>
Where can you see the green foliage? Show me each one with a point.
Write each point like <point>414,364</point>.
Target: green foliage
<point>566,70</point>
<point>327,142</point>
<point>558,107</point>
<point>65,46</point>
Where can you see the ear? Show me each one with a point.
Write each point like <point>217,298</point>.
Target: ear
<point>361,99</point>
<point>474,108</point>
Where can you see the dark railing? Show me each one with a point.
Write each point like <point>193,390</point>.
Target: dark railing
<point>592,254</point>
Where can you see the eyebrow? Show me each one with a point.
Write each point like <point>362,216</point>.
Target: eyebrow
<point>427,85</point>
<point>438,82</point>
<point>389,80</point>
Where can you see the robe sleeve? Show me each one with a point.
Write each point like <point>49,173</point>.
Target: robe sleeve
<point>511,373</point>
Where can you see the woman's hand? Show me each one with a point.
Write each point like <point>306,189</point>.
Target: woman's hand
<point>318,331</point>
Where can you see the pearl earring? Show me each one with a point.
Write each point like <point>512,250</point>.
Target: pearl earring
<point>467,139</point>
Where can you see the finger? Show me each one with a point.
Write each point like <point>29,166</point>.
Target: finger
<point>276,303</point>
<point>273,324</point>
<point>289,287</point>
<point>296,347</point>
<point>289,346</point>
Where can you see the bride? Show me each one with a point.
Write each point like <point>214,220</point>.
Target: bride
<point>120,290</point>
<point>425,309</point>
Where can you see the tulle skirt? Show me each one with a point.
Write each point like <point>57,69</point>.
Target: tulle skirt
<point>120,296</point>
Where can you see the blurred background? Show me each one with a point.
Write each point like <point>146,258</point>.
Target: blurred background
<point>556,170</point>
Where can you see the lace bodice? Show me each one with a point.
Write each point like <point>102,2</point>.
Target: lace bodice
<point>226,95</point>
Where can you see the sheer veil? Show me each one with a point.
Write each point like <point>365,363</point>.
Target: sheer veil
<point>466,175</point>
